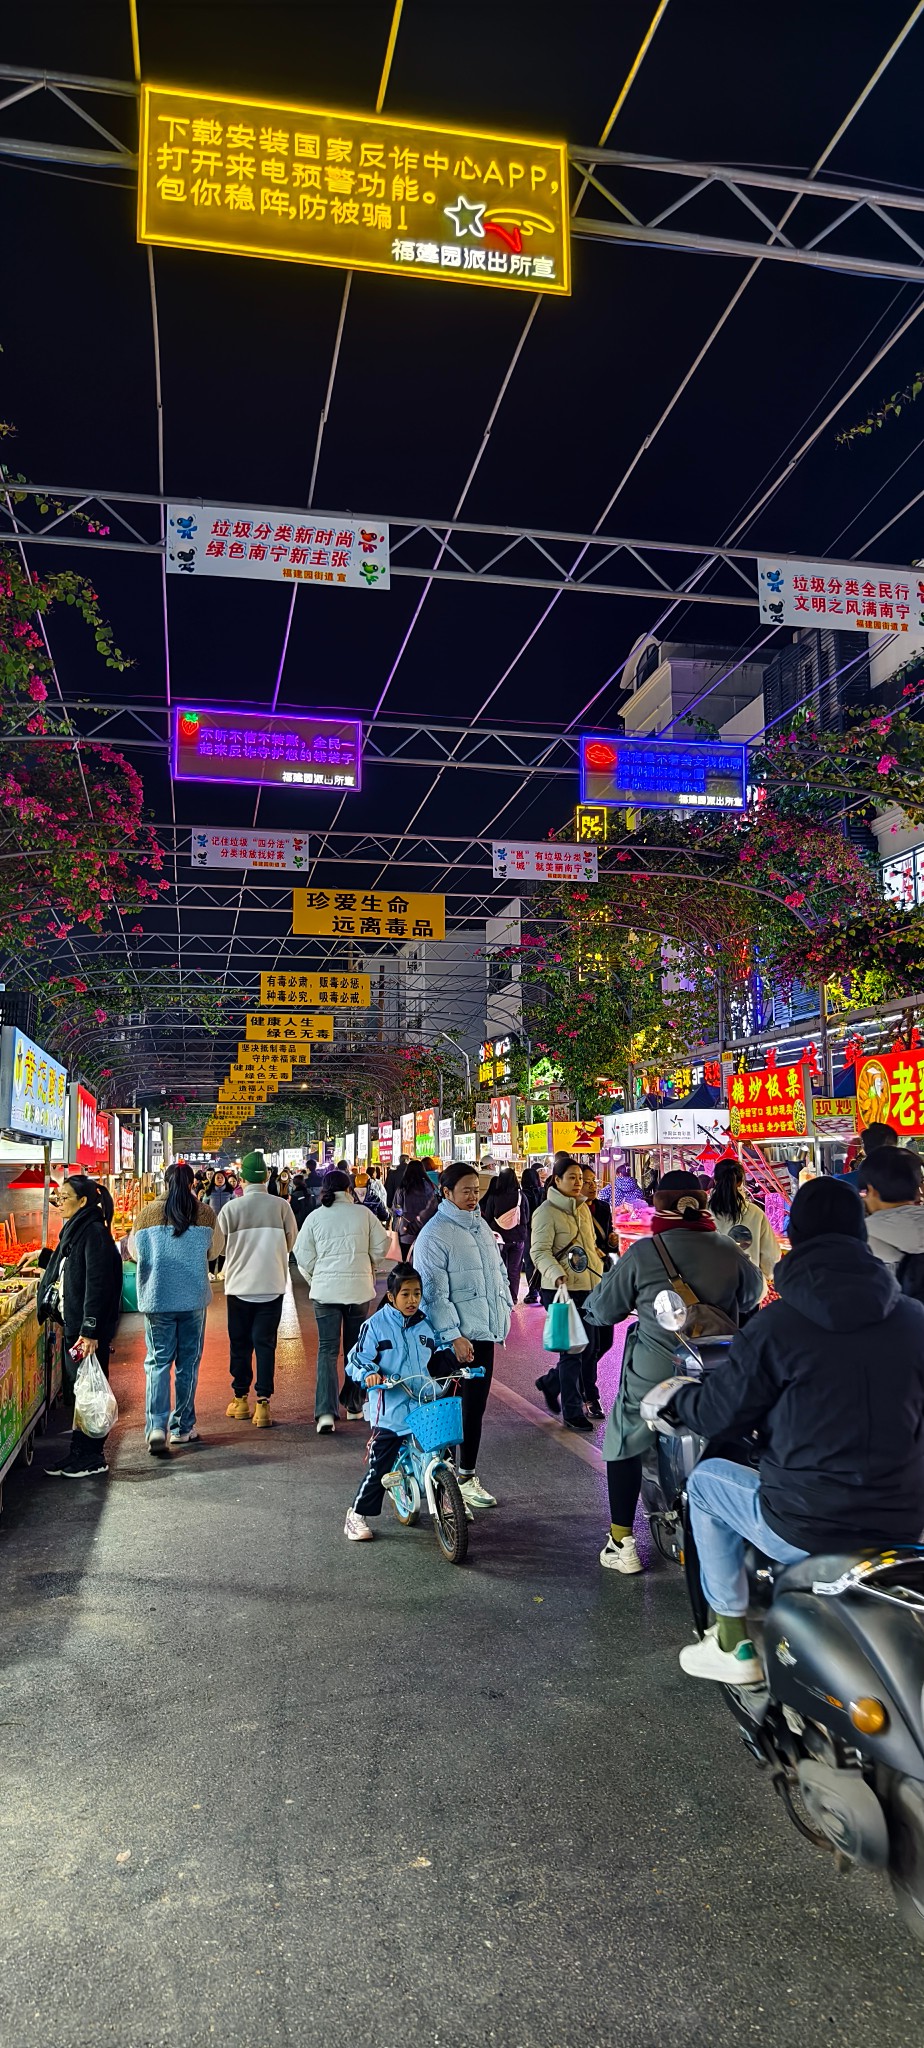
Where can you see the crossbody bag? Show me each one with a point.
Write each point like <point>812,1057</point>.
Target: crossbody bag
<point>702,1318</point>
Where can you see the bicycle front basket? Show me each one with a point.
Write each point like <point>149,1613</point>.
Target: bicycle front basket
<point>436,1423</point>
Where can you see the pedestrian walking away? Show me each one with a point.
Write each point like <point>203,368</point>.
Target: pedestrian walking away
<point>172,1242</point>
<point>466,1301</point>
<point>718,1274</point>
<point>81,1288</point>
<point>415,1202</point>
<point>301,1201</point>
<point>565,1250</point>
<point>336,1252</point>
<point>396,1343</point>
<point>533,1186</point>
<point>505,1211</point>
<point>257,1234</point>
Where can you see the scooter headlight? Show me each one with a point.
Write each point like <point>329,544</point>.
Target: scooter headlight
<point>868,1716</point>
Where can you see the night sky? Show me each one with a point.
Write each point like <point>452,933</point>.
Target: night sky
<point>246,350</point>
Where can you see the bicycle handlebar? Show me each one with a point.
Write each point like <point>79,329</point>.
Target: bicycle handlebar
<point>465,1372</point>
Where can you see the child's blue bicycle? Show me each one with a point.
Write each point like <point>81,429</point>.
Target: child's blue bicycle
<point>423,1469</point>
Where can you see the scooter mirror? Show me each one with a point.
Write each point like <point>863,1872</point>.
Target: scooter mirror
<point>670,1311</point>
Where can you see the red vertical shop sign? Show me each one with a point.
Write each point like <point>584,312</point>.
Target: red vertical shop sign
<point>771,1105</point>
<point>92,1148</point>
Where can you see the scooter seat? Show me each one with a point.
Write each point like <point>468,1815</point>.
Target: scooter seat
<point>822,1571</point>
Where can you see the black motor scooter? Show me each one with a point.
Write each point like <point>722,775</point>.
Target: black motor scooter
<point>839,1720</point>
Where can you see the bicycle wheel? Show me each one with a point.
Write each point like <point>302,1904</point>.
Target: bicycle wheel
<point>449,1521</point>
<point>405,1499</point>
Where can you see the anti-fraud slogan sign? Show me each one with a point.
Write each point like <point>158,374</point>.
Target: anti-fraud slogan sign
<point>295,547</point>
<point>303,184</point>
<point>842,594</point>
<point>263,747</point>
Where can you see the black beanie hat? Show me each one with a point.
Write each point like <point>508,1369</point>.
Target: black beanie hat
<point>826,1208</point>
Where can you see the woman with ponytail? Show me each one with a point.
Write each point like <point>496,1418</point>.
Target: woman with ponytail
<point>718,1275</point>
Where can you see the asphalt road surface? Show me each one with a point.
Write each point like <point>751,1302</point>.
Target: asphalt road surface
<point>261,1786</point>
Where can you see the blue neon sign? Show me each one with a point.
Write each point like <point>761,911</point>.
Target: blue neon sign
<point>663,775</point>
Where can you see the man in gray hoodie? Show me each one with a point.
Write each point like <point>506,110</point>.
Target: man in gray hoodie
<point>890,1186</point>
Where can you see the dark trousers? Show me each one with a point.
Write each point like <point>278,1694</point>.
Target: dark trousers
<point>601,1338</point>
<point>336,1321</point>
<point>568,1376</point>
<point>624,1484</point>
<point>382,1450</point>
<point>511,1251</point>
<point>252,1327</point>
<point>474,1402</point>
<point>533,1282</point>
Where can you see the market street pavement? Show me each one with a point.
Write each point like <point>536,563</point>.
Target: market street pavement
<point>264,1787</point>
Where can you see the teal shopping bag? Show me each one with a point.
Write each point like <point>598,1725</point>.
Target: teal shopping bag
<point>555,1336</point>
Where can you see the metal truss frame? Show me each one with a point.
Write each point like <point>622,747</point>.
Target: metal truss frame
<point>653,227</point>
<point>840,201</point>
<point>390,740</point>
<point>480,552</point>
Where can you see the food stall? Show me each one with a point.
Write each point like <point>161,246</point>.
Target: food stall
<point>33,1099</point>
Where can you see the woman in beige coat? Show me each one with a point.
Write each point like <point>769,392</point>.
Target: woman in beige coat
<point>563,1247</point>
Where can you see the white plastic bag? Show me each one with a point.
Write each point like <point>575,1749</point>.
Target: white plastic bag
<point>95,1407</point>
<point>577,1335</point>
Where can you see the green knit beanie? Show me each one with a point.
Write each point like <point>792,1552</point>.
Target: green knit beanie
<point>253,1166</point>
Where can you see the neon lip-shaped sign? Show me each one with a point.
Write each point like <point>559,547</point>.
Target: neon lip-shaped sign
<point>663,775</point>
<point>255,746</point>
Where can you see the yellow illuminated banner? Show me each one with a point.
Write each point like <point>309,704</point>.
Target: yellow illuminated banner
<point>308,185</point>
<point>292,1030</point>
<point>338,988</point>
<point>384,913</point>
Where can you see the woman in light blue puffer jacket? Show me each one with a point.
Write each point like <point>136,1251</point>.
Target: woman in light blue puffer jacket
<point>466,1301</point>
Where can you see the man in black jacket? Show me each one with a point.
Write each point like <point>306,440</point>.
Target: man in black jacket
<point>832,1376</point>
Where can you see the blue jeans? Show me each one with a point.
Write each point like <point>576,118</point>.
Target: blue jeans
<point>333,1319</point>
<point>172,1340</point>
<point>725,1513</point>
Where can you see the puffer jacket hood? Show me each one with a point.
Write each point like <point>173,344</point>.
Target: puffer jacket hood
<point>893,1233</point>
<point>837,1283</point>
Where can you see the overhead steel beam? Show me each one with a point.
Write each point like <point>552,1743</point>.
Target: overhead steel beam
<point>614,176</point>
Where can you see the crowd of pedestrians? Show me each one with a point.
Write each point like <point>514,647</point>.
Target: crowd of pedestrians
<point>451,1249</point>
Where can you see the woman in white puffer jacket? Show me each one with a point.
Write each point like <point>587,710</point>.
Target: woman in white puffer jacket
<point>336,1251</point>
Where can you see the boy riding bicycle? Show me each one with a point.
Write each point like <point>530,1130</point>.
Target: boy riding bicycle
<point>396,1343</point>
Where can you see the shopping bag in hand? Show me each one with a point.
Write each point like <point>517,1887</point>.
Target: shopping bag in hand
<point>95,1405</point>
<point>577,1335</point>
<point>555,1336</point>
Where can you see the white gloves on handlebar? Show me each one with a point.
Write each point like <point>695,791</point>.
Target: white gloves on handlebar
<point>660,1397</point>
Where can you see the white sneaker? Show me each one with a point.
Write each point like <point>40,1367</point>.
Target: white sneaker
<point>191,1437</point>
<point>356,1529</point>
<point>474,1494</point>
<point>621,1557</point>
<point>731,1667</point>
<point>157,1443</point>
<point>326,1428</point>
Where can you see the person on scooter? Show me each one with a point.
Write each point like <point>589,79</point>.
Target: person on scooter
<point>832,1376</point>
<point>718,1274</point>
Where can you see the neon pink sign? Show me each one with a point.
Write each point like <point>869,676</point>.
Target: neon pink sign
<point>256,746</point>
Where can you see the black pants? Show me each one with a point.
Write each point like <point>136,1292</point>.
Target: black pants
<point>511,1251</point>
<point>252,1327</point>
<point>474,1402</point>
<point>601,1338</point>
<point>624,1484</point>
<point>533,1282</point>
<point>568,1376</point>
<point>383,1448</point>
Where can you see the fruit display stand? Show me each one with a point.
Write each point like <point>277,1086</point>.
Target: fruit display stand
<point>31,1369</point>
